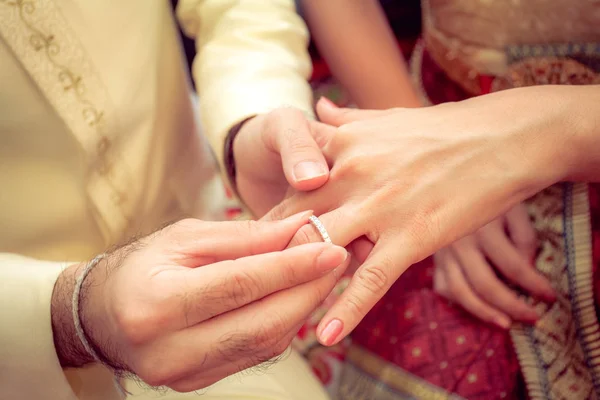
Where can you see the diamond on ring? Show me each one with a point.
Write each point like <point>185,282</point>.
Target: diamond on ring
<point>320,227</point>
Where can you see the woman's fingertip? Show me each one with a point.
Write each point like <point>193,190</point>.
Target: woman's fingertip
<point>331,257</point>
<point>327,103</point>
<point>503,322</point>
<point>330,332</point>
<point>550,296</point>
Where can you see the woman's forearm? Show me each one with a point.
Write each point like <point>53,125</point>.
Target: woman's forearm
<point>561,139</point>
<point>355,39</point>
<point>582,123</point>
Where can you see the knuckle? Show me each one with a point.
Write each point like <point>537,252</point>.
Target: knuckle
<point>242,288</point>
<point>178,233</point>
<point>278,350</point>
<point>298,142</point>
<point>135,323</point>
<point>282,348</point>
<point>247,228</point>
<point>320,293</point>
<point>269,334</point>
<point>304,235</point>
<point>188,386</point>
<point>273,352</point>
<point>289,272</point>
<point>276,119</point>
<point>424,230</point>
<point>373,278</point>
<point>185,225</point>
<point>355,304</point>
<point>287,207</point>
<point>185,387</point>
<point>278,212</point>
<point>350,166</point>
<point>155,373</point>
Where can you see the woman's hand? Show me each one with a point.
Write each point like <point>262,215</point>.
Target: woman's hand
<point>415,180</point>
<point>464,271</point>
<point>198,301</point>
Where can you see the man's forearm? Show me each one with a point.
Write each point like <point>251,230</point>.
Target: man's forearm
<point>69,349</point>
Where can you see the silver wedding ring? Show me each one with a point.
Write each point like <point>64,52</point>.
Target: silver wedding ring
<point>316,222</point>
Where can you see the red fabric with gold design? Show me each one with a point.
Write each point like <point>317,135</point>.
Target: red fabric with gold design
<point>421,333</point>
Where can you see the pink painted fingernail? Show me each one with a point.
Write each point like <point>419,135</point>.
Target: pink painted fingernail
<point>550,296</point>
<point>331,332</point>
<point>308,170</point>
<point>327,102</point>
<point>503,322</point>
<point>531,317</point>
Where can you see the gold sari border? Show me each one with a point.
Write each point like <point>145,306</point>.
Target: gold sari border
<point>386,374</point>
<point>560,356</point>
<point>578,235</point>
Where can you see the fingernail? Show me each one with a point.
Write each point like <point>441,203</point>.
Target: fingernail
<point>301,216</point>
<point>331,332</point>
<point>531,317</point>
<point>331,257</point>
<point>307,170</point>
<point>327,102</point>
<point>503,322</point>
<point>550,295</point>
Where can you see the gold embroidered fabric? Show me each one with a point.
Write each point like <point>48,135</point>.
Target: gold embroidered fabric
<point>559,356</point>
<point>469,38</point>
<point>40,36</point>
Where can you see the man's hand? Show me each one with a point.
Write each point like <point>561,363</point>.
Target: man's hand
<point>275,152</point>
<point>413,181</point>
<point>197,301</point>
<point>465,271</point>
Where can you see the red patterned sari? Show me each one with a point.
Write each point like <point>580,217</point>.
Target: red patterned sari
<point>414,344</point>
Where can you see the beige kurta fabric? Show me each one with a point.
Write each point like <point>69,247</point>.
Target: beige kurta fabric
<point>99,140</point>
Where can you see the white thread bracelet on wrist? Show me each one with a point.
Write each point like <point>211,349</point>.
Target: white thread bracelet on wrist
<point>77,320</point>
<point>75,307</point>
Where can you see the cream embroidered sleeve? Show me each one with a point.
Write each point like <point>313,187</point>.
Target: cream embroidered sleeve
<point>28,362</point>
<point>252,58</point>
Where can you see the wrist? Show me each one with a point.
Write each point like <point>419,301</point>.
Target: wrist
<point>547,136</point>
<point>580,126</point>
<point>229,153</point>
<point>91,313</point>
<point>564,143</point>
<point>237,145</point>
<point>69,349</point>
